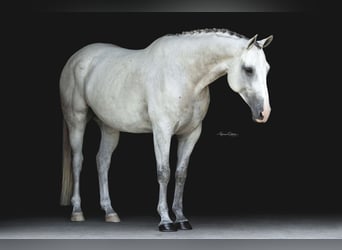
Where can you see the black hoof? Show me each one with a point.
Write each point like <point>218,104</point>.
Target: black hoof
<point>184,225</point>
<point>168,227</point>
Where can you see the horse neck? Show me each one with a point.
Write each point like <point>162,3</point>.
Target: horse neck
<point>206,57</point>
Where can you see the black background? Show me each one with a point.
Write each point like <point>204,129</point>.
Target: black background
<point>288,165</point>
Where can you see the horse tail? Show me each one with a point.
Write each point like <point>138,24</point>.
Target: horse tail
<point>67,179</point>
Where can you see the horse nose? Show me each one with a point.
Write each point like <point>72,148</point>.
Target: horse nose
<point>263,116</point>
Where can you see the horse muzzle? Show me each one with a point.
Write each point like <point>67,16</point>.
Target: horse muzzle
<point>262,116</point>
<point>259,106</point>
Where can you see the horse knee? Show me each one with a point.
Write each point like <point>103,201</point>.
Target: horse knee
<point>181,175</point>
<point>163,175</point>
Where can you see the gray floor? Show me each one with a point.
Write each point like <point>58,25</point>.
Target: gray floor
<point>133,227</point>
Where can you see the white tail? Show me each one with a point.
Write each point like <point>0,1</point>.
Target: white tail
<point>67,181</point>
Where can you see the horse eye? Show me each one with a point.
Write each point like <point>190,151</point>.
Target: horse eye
<point>248,70</point>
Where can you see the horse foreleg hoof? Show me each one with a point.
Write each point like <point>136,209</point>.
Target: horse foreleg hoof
<point>77,217</point>
<point>168,227</point>
<point>184,225</point>
<point>112,218</point>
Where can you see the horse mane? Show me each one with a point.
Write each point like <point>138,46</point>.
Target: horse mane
<point>212,30</point>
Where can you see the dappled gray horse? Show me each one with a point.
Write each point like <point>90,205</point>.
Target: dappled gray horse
<point>162,89</point>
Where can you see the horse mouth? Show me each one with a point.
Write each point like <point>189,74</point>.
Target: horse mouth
<point>260,118</point>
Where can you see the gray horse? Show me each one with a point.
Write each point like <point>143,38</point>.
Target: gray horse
<point>162,89</point>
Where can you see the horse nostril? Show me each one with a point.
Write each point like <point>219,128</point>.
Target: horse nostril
<point>261,116</point>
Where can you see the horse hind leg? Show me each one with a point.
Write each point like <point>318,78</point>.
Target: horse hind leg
<point>109,141</point>
<point>76,132</point>
<point>76,115</point>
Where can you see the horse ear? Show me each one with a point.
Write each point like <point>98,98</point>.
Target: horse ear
<point>265,42</point>
<point>252,41</point>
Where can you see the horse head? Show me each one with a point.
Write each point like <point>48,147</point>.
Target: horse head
<point>247,77</point>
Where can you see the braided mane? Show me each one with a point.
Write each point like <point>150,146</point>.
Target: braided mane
<point>213,30</point>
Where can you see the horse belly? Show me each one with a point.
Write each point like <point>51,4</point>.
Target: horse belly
<point>120,107</point>
<point>126,119</point>
<point>132,121</point>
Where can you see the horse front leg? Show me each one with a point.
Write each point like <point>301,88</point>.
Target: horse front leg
<point>186,143</point>
<point>162,141</point>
